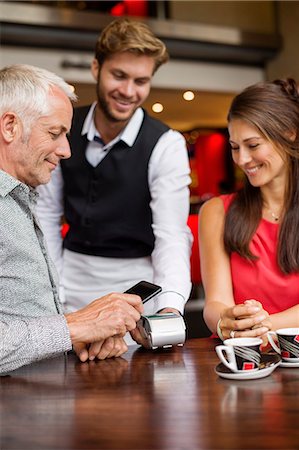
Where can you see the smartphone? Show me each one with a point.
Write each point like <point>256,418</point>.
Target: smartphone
<point>145,290</point>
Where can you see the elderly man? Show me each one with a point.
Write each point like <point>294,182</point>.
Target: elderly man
<point>35,117</point>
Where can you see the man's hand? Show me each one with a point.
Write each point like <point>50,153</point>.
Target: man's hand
<point>107,317</point>
<point>169,310</point>
<point>137,335</point>
<point>139,338</point>
<point>110,348</point>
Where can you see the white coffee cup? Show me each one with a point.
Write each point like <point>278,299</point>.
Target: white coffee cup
<point>288,343</point>
<point>240,354</point>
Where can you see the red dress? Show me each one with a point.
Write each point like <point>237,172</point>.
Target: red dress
<point>262,279</point>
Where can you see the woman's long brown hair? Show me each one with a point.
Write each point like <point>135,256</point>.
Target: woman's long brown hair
<point>273,108</point>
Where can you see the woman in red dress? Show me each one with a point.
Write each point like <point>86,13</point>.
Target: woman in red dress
<point>249,241</point>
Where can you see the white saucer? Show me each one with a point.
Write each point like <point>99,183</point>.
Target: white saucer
<point>289,364</point>
<point>268,363</point>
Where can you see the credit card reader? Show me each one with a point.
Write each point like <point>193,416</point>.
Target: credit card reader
<point>163,330</point>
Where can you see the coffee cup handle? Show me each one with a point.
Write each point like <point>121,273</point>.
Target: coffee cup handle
<point>270,335</point>
<point>230,360</point>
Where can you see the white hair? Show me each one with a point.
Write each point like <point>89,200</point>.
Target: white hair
<point>24,90</point>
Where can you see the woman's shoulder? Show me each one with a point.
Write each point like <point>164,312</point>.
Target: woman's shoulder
<point>212,211</point>
<point>217,205</point>
<point>227,200</point>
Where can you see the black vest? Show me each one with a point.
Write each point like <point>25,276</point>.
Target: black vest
<point>108,206</point>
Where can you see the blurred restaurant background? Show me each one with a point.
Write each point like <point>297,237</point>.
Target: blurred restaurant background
<point>216,48</point>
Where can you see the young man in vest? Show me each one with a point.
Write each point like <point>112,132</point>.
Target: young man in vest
<point>124,192</point>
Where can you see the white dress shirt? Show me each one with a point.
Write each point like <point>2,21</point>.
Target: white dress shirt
<point>85,277</point>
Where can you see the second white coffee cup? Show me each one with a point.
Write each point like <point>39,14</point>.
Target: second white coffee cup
<point>288,343</point>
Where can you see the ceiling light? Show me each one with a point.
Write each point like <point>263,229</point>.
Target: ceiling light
<point>188,95</point>
<point>157,107</point>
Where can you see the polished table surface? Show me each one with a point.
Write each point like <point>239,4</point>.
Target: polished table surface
<point>165,399</point>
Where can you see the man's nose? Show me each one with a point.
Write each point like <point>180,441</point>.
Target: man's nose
<point>64,149</point>
<point>127,88</point>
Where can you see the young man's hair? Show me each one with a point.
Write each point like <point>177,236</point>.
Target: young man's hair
<point>124,35</point>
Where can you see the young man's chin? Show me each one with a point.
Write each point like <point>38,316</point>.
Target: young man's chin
<point>122,115</point>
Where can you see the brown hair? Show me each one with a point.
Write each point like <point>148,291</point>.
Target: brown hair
<point>273,108</point>
<point>123,35</point>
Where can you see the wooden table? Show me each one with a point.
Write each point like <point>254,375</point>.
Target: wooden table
<point>169,399</point>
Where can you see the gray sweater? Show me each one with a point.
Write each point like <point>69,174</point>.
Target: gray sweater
<point>32,325</point>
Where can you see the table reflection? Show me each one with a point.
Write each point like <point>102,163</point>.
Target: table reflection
<point>162,399</point>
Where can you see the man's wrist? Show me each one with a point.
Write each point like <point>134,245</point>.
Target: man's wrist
<point>76,329</point>
<point>169,310</point>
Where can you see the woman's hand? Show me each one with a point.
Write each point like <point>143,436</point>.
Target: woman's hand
<point>245,320</point>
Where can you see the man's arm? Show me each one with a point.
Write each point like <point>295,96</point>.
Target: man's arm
<point>169,178</point>
<point>26,340</point>
<point>49,210</point>
<point>23,341</point>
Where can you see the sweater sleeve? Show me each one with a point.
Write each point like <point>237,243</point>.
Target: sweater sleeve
<point>23,341</point>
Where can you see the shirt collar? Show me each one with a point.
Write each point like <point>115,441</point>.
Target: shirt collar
<point>128,134</point>
<point>8,183</point>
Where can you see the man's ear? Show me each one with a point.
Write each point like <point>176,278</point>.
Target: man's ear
<point>95,67</point>
<point>9,126</point>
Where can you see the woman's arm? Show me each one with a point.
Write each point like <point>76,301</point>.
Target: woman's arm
<point>285,319</point>
<point>214,262</point>
<point>246,318</point>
